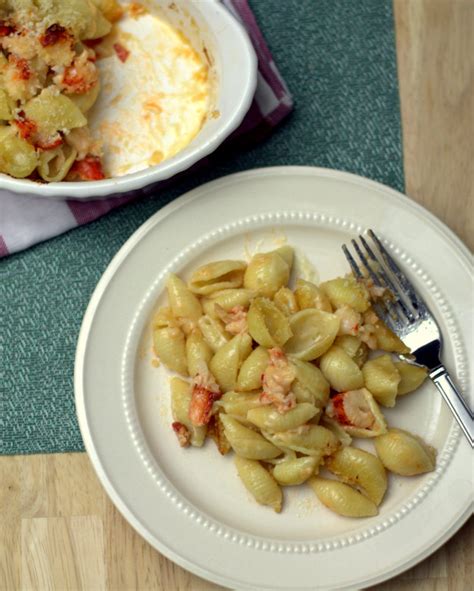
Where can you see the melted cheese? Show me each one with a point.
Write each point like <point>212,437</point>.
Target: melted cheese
<point>153,104</point>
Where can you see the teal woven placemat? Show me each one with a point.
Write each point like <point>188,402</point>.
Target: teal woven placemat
<point>338,59</point>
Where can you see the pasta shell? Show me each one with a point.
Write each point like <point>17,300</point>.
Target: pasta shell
<point>213,332</point>
<point>404,453</point>
<point>208,307</point>
<point>340,370</point>
<point>197,352</point>
<point>337,429</point>
<point>387,340</point>
<point>169,346</point>
<point>246,442</point>
<point>379,426</point>
<point>382,379</point>
<point>19,158</point>
<point>411,376</point>
<point>229,298</point>
<point>294,472</point>
<point>309,295</point>
<point>266,273</point>
<point>287,253</point>
<point>312,440</point>
<point>361,404</point>
<point>180,401</point>
<point>309,385</point>
<point>250,374</point>
<point>285,301</point>
<point>86,100</point>
<point>217,276</point>
<point>52,112</point>
<point>360,469</point>
<point>163,317</point>
<point>227,360</point>
<point>53,165</point>
<point>267,325</point>
<point>216,432</point>
<point>269,419</point>
<point>313,331</point>
<point>184,304</point>
<point>347,291</point>
<point>260,483</point>
<point>342,499</point>
<point>354,347</point>
<point>5,101</point>
<point>238,404</point>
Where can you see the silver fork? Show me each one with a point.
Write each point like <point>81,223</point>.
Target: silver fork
<point>408,316</point>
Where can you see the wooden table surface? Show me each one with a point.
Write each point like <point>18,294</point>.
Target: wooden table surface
<point>59,531</point>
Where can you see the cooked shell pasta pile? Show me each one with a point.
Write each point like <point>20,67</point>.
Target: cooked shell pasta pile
<point>286,377</point>
<point>48,83</point>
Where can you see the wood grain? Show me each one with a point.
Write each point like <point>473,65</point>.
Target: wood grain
<point>435,49</point>
<point>69,537</point>
<point>59,531</point>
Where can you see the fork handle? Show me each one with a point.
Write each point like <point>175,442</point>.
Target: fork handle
<point>454,400</point>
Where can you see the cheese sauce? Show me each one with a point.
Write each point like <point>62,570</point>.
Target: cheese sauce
<point>152,104</point>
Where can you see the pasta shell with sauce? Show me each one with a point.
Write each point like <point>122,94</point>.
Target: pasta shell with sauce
<point>170,347</point>
<point>217,276</point>
<point>250,374</point>
<point>360,469</point>
<point>387,340</point>
<point>183,303</point>
<point>237,404</point>
<point>347,291</point>
<point>381,379</point>
<point>180,401</point>
<point>340,370</point>
<point>226,362</point>
<point>269,419</point>
<point>52,112</point>
<point>309,385</point>
<point>354,347</point>
<point>246,442</point>
<point>267,272</point>
<point>312,440</point>
<point>313,331</point>
<point>213,332</point>
<point>163,317</point>
<point>19,158</point>
<point>6,103</point>
<point>260,483</point>
<point>411,376</point>
<point>285,301</point>
<point>337,429</point>
<point>341,498</point>
<point>297,471</point>
<point>197,352</point>
<point>267,325</point>
<point>86,100</point>
<point>54,164</point>
<point>287,253</point>
<point>229,298</point>
<point>309,295</point>
<point>208,307</point>
<point>406,454</point>
<point>364,417</point>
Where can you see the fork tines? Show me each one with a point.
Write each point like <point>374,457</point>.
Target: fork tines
<point>376,263</point>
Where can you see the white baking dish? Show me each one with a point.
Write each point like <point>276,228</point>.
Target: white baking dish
<point>220,40</point>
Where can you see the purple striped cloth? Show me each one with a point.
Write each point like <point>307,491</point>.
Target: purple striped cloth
<point>27,220</point>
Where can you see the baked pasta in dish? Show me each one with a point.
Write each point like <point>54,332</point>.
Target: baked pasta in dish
<point>48,83</point>
<point>286,377</point>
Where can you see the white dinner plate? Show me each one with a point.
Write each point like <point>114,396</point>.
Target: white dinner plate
<point>189,503</point>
